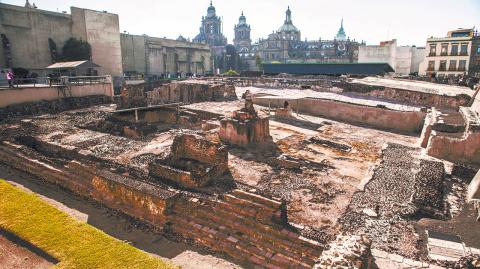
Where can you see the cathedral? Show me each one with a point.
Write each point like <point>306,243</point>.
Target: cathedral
<point>282,46</point>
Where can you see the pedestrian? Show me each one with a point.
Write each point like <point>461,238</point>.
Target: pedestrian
<point>10,78</point>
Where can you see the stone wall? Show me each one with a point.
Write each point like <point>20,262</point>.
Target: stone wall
<point>102,31</point>
<point>134,197</point>
<point>245,226</point>
<point>29,30</point>
<point>176,92</point>
<point>154,56</point>
<point>193,162</point>
<point>405,96</point>
<point>55,106</point>
<point>376,117</point>
<point>450,142</point>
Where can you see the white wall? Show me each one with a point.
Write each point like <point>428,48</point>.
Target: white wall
<point>404,60</point>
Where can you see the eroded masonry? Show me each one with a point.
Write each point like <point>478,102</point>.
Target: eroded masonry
<point>271,172</point>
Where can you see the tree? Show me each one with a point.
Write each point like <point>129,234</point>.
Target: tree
<point>76,50</point>
<point>258,62</point>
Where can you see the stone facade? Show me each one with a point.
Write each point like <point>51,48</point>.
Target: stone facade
<point>285,46</point>
<point>160,57</point>
<point>33,37</point>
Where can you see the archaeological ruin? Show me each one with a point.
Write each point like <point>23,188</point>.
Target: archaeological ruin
<point>266,172</point>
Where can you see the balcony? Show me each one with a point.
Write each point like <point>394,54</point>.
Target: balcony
<point>443,54</point>
<point>430,68</point>
<point>432,54</point>
<point>461,69</point>
<point>442,68</point>
<point>463,53</point>
<point>454,53</point>
<point>452,69</point>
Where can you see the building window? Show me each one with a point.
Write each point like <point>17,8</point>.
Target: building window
<point>433,50</point>
<point>462,65</point>
<point>443,66</point>
<point>444,51</point>
<point>454,50</point>
<point>478,50</point>
<point>431,66</point>
<point>452,66</point>
<point>463,49</point>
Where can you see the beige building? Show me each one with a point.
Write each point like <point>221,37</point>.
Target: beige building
<point>152,56</point>
<point>403,59</point>
<point>450,55</point>
<point>32,37</point>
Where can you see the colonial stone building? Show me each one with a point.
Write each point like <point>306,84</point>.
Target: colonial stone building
<point>160,57</point>
<point>32,38</point>
<point>454,55</point>
<point>224,57</point>
<point>286,46</point>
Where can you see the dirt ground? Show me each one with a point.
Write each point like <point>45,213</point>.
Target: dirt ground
<point>110,222</point>
<point>14,256</point>
<point>315,197</point>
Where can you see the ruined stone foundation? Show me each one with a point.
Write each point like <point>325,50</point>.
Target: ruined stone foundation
<point>193,162</point>
<point>245,127</point>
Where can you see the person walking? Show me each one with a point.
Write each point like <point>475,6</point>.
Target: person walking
<point>10,78</point>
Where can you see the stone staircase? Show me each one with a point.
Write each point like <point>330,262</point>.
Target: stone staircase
<point>247,227</point>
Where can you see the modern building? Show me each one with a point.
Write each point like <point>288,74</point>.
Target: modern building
<point>159,57</point>
<point>33,38</point>
<point>286,46</point>
<point>456,54</point>
<point>404,60</point>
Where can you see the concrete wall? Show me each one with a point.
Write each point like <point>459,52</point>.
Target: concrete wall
<point>28,95</point>
<point>154,56</point>
<point>102,31</point>
<point>28,31</point>
<point>385,119</point>
<point>377,54</point>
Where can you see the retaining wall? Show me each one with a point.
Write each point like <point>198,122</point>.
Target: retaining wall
<point>245,226</point>
<point>14,96</point>
<point>377,117</point>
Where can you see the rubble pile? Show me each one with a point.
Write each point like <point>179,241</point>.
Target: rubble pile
<point>347,251</point>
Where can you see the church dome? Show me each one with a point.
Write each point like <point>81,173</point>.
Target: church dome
<point>211,10</point>
<point>288,24</point>
<point>242,20</point>
<point>288,27</point>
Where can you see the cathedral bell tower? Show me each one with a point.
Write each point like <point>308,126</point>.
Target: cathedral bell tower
<point>242,33</point>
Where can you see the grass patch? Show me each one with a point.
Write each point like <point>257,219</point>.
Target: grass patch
<point>73,243</point>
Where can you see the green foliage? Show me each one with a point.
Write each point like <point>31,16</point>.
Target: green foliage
<point>75,244</point>
<point>258,62</point>
<point>76,50</point>
<point>231,73</point>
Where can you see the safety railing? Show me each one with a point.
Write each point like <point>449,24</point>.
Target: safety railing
<point>54,81</point>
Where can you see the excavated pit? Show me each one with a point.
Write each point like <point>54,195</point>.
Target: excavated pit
<point>267,191</point>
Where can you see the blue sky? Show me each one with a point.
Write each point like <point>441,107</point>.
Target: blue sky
<point>409,21</point>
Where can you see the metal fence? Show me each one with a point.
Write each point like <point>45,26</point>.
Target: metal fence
<point>54,81</point>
